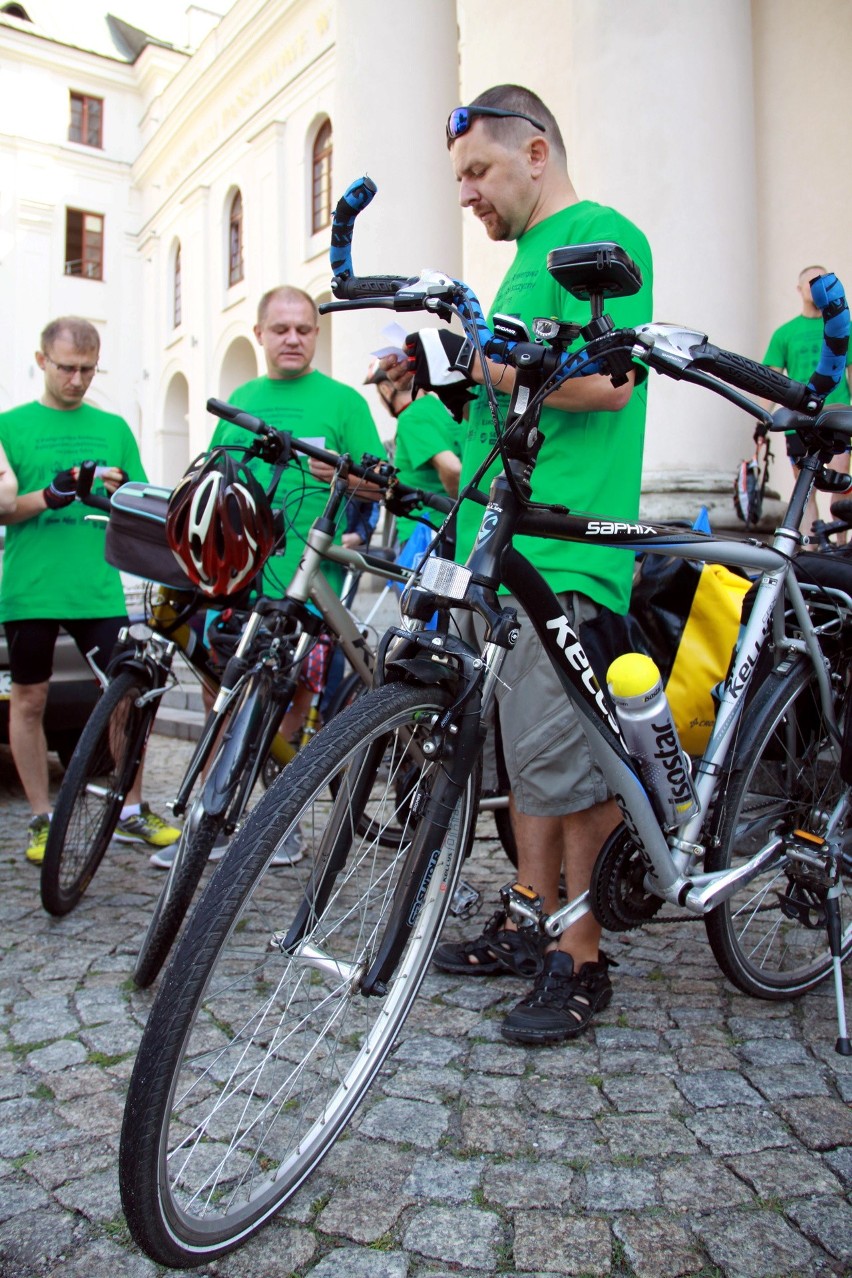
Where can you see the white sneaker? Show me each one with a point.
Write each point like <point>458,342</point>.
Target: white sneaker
<point>220,846</point>
<point>290,849</point>
<point>163,858</point>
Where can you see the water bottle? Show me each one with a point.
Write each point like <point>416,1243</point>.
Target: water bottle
<point>650,735</point>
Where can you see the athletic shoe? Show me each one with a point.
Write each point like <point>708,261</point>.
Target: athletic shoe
<point>163,858</point>
<point>38,830</point>
<point>561,1003</point>
<point>290,849</point>
<point>146,827</point>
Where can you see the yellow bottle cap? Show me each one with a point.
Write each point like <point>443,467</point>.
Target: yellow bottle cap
<point>632,674</point>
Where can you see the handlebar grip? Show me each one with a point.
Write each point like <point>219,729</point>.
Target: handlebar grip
<point>367,286</point>
<point>827,293</point>
<point>355,198</point>
<point>230,413</point>
<point>749,375</point>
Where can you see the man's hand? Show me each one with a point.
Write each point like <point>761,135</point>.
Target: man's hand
<point>62,490</point>
<point>113,477</point>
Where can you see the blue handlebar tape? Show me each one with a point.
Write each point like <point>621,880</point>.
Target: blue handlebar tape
<point>828,295</point>
<point>355,198</point>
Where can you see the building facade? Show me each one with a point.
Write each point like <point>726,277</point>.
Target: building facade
<point>207,173</point>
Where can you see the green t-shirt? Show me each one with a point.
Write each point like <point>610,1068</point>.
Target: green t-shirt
<point>425,428</point>
<point>323,412</point>
<point>590,462</point>
<point>53,564</point>
<point>795,347</point>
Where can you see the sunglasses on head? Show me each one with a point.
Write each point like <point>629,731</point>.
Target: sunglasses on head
<point>461,118</point>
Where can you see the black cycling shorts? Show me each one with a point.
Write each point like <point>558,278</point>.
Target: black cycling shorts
<point>31,644</point>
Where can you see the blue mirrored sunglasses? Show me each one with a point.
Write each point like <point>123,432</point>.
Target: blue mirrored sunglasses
<point>461,118</point>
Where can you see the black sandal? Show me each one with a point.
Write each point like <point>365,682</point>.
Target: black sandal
<point>562,1002</point>
<point>496,952</point>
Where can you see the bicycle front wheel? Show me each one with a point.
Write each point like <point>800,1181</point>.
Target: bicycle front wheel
<point>770,937</point>
<point>260,1044</point>
<point>93,789</point>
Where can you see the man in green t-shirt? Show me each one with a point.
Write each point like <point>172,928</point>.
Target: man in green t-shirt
<point>427,450</point>
<point>54,571</point>
<point>509,161</point>
<point>795,349</point>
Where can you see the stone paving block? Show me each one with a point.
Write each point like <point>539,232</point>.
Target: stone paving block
<point>104,1259</point>
<point>820,1122</point>
<point>405,1121</point>
<point>647,1136</point>
<point>456,1236</point>
<point>773,1051</point>
<point>95,1115</point>
<point>42,1020</point>
<point>827,1222</point>
<point>361,1213</point>
<point>642,1095</point>
<point>356,1262</point>
<point>96,1197</point>
<point>579,1100</point>
<point>443,1179</point>
<point>501,1132</point>
<point>614,1189</point>
<point>20,1194</point>
<point>496,1059</point>
<point>476,995</point>
<point>63,1054</point>
<point>67,1165</point>
<point>657,1247</point>
<point>840,1161</point>
<point>492,1089</point>
<point>423,1082</point>
<point>698,1183</point>
<point>785,1173</point>
<point>738,1131</point>
<point>29,1126</point>
<point>522,1185</point>
<point>785,1081</point>
<point>712,1088</point>
<point>560,1244</point>
<point>754,1245</point>
<point>31,1242</point>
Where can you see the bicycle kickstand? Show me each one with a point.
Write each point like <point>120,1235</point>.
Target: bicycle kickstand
<point>833,923</point>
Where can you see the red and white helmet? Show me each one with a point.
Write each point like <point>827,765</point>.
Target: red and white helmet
<point>219,524</point>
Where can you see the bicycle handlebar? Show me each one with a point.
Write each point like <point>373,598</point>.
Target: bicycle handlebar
<point>381,475</point>
<point>435,292</point>
<point>85,479</point>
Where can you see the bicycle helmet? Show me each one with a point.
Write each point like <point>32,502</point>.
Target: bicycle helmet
<point>219,524</point>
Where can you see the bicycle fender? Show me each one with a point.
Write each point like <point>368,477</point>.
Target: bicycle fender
<point>231,760</point>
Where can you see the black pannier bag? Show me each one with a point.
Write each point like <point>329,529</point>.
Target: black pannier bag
<point>136,535</point>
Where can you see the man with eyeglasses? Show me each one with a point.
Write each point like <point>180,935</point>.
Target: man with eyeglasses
<point>54,571</point>
<point>510,163</point>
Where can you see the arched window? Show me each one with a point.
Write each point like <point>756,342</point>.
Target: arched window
<point>235,240</point>
<point>177,298</point>
<point>321,180</point>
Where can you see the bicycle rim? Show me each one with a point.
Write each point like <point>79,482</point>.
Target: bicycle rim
<point>770,937</point>
<point>254,1058</point>
<point>88,806</point>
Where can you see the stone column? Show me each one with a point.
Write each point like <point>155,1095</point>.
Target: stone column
<point>396,80</point>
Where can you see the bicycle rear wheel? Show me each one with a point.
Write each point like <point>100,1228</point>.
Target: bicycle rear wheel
<point>770,937</point>
<point>93,789</point>
<point>261,1045</point>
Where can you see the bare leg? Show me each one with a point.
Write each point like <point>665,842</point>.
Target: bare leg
<point>545,845</point>
<point>28,742</point>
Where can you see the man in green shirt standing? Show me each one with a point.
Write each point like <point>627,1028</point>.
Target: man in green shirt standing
<point>54,571</point>
<point>510,163</point>
<point>794,349</point>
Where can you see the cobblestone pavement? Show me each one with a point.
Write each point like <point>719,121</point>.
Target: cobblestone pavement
<point>693,1132</point>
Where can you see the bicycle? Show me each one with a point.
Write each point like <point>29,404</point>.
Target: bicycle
<point>278,1009</point>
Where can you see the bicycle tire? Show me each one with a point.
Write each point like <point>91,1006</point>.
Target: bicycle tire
<point>194,848</point>
<point>92,793</point>
<point>767,938</point>
<point>284,1043</point>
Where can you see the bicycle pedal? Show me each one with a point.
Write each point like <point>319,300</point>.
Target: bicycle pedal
<point>522,904</point>
<point>466,902</point>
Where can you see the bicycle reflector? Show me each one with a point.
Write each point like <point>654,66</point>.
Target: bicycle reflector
<point>219,524</point>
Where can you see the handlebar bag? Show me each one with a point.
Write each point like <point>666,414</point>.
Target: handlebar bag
<point>136,536</point>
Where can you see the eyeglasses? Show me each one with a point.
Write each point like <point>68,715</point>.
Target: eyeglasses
<point>461,119</point>
<point>68,370</point>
